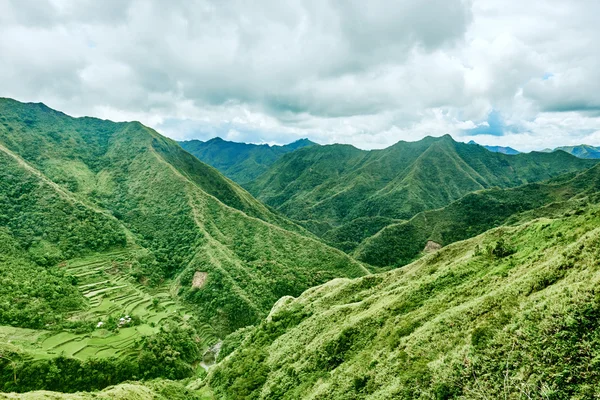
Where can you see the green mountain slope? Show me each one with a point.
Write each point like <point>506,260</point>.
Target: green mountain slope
<point>581,151</point>
<point>241,162</point>
<point>76,191</point>
<point>326,187</point>
<point>400,243</point>
<point>513,313</point>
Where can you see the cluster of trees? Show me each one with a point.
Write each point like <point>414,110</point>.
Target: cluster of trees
<point>32,296</point>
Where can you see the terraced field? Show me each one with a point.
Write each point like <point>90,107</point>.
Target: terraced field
<point>113,294</point>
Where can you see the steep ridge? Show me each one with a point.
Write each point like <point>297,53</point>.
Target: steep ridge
<point>400,243</point>
<point>102,219</point>
<point>183,211</point>
<point>326,187</point>
<point>241,162</point>
<point>513,313</point>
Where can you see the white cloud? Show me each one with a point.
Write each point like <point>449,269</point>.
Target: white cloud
<point>366,73</point>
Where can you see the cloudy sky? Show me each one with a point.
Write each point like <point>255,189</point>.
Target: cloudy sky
<point>511,72</point>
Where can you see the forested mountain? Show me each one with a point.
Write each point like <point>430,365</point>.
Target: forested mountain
<point>328,187</point>
<point>513,313</point>
<point>581,151</point>
<point>152,221</point>
<point>241,162</point>
<point>475,213</point>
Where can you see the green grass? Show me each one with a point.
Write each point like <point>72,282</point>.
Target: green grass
<point>469,321</point>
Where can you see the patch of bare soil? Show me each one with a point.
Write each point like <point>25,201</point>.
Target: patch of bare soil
<point>199,279</point>
<point>432,247</point>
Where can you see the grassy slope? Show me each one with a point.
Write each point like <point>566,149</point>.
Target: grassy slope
<point>337,184</point>
<point>463,322</point>
<point>399,244</point>
<point>241,162</point>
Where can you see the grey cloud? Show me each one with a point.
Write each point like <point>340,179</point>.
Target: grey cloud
<point>365,72</point>
<point>31,13</point>
<point>576,90</point>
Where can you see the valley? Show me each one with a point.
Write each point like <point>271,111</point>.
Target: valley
<point>126,263</point>
<point>105,221</point>
<point>299,200</point>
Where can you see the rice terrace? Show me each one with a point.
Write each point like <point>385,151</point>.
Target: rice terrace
<point>119,312</point>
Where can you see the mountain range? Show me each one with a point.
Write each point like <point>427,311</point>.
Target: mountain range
<point>499,149</point>
<point>335,190</point>
<point>399,244</point>
<point>132,269</point>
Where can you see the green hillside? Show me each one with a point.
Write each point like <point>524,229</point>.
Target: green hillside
<point>103,220</point>
<point>326,187</point>
<point>513,313</point>
<point>241,162</point>
<point>400,243</point>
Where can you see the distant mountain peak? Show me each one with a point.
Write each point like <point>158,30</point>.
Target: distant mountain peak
<point>241,162</point>
<point>581,151</point>
<point>304,142</point>
<point>496,149</point>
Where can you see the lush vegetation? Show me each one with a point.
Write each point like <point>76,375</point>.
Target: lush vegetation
<point>122,331</point>
<point>31,295</point>
<point>104,227</point>
<point>513,313</point>
<point>124,258</point>
<point>398,244</point>
<point>241,162</point>
<point>338,184</point>
<point>105,181</point>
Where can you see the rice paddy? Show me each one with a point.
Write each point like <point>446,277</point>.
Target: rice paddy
<point>111,292</point>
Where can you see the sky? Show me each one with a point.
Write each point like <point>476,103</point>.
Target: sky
<point>370,73</point>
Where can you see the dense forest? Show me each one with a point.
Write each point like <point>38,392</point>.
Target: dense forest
<point>104,220</point>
